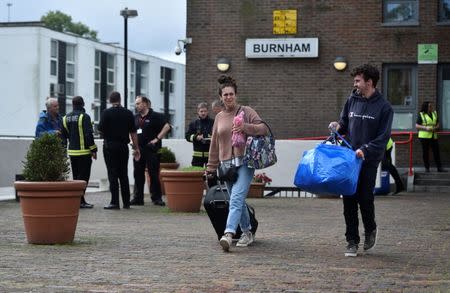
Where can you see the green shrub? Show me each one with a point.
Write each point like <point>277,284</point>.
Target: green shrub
<point>193,168</point>
<point>46,160</point>
<point>167,156</point>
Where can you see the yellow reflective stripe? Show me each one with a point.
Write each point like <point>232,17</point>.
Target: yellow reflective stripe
<point>192,137</point>
<point>65,123</point>
<point>390,144</point>
<point>78,152</point>
<point>200,154</point>
<point>80,131</point>
<point>93,147</point>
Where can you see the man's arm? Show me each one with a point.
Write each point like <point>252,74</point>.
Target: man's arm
<point>136,151</point>
<point>166,128</point>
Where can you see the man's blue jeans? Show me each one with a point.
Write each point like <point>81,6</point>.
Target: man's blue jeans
<point>238,190</point>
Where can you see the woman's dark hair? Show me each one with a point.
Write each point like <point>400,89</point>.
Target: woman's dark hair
<point>225,81</point>
<point>368,72</point>
<point>114,97</point>
<point>424,107</point>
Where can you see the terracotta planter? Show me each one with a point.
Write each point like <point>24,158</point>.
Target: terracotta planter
<point>256,190</point>
<point>184,190</point>
<point>162,166</point>
<point>50,209</point>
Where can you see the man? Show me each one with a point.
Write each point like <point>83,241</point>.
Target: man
<point>50,120</point>
<point>366,119</point>
<point>117,126</point>
<point>152,127</point>
<point>199,133</point>
<point>78,130</point>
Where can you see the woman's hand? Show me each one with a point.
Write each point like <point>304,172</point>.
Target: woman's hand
<point>238,128</point>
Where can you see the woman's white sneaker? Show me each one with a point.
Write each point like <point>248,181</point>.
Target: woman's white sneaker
<point>226,241</point>
<point>245,240</point>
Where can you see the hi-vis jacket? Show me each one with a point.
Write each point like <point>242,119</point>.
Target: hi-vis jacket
<point>78,129</point>
<point>428,120</point>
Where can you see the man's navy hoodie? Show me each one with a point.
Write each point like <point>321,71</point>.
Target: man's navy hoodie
<point>367,124</point>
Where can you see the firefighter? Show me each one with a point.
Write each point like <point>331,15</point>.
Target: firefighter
<point>199,133</point>
<point>77,128</point>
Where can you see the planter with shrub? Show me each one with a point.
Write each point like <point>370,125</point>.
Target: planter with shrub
<point>49,203</point>
<point>184,188</point>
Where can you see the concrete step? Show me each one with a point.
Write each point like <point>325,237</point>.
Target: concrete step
<point>431,189</point>
<point>432,175</point>
<point>432,182</point>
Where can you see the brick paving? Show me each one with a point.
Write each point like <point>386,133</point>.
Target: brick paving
<point>299,248</point>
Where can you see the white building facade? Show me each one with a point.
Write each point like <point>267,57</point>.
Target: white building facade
<point>36,62</point>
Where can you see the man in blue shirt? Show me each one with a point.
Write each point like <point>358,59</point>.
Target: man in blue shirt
<point>49,120</point>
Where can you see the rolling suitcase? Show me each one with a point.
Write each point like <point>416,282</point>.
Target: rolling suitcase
<point>216,204</point>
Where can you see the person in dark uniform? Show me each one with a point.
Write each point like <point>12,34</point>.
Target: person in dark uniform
<point>78,130</point>
<point>152,127</point>
<point>386,164</point>
<point>117,126</point>
<point>199,133</point>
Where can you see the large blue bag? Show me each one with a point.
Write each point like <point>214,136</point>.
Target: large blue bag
<point>329,169</point>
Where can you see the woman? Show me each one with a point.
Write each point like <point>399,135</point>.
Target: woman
<point>428,125</point>
<point>221,150</point>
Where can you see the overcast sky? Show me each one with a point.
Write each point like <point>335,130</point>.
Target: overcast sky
<point>154,31</point>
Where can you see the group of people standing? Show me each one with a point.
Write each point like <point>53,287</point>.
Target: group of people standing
<point>366,120</point>
<point>117,125</point>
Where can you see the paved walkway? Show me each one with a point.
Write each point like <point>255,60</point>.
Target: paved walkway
<point>299,248</point>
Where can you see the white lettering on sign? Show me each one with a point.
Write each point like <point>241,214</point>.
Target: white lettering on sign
<point>282,48</point>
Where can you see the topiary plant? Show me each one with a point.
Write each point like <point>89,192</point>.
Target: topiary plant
<point>167,156</point>
<point>46,160</point>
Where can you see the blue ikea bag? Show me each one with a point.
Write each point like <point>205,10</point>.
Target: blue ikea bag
<point>329,169</point>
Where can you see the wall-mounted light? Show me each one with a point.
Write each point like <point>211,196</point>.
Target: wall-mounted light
<point>181,45</point>
<point>340,63</point>
<point>223,64</point>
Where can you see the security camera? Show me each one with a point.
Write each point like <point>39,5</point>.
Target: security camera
<point>178,50</point>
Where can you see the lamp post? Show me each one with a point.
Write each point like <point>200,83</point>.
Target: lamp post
<point>126,13</point>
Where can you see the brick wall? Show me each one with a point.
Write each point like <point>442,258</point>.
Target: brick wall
<point>298,97</point>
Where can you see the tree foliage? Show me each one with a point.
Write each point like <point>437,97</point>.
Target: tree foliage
<point>59,21</point>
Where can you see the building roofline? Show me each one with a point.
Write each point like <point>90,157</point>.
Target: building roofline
<point>22,23</point>
<point>41,25</point>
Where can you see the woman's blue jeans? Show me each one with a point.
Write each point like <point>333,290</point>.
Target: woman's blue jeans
<point>238,190</point>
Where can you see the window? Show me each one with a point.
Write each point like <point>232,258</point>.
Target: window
<point>443,107</point>
<point>401,12</point>
<point>144,72</point>
<point>162,76</point>
<point>110,74</point>
<point>97,76</point>
<point>399,88</point>
<point>70,73</point>
<point>53,57</point>
<point>52,90</point>
<point>444,11</point>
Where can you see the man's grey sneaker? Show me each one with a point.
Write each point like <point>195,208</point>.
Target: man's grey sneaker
<point>352,249</point>
<point>226,241</point>
<point>245,240</point>
<point>371,240</point>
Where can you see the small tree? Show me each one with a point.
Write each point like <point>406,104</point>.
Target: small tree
<point>58,21</point>
<point>46,160</point>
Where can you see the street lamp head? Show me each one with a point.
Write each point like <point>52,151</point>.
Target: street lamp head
<point>128,12</point>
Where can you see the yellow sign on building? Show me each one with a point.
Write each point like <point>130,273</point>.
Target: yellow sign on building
<point>284,22</point>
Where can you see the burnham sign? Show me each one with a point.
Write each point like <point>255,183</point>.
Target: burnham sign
<point>282,48</point>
